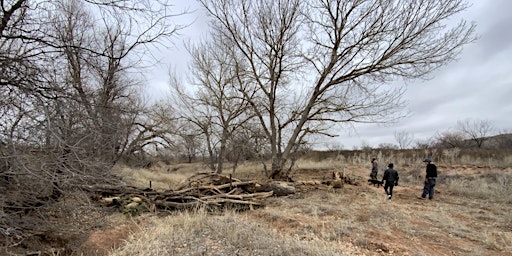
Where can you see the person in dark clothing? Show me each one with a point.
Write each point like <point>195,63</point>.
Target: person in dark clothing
<point>375,169</point>
<point>430,179</point>
<point>391,178</point>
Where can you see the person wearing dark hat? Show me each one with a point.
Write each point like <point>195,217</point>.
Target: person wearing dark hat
<point>391,178</point>
<point>430,179</point>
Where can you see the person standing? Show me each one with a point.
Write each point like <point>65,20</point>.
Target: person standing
<point>430,179</point>
<point>391,179</point>
<point>375,169</point>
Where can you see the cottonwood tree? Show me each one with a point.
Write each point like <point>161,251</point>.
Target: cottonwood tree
<point>316,62</point>
<point>153,128</point>
<point>68,98</point>
<point>215,104</point>
<point>96,100</point>
<point>477,131</point>
<point>66,68</point>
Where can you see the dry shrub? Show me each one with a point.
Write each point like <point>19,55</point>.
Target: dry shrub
<point>495,186</point>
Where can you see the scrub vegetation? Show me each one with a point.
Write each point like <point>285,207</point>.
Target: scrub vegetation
<point>469,215</point>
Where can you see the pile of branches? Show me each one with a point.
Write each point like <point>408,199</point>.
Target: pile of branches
<point>209,190</point>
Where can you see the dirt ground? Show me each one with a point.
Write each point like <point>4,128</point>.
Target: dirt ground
<point>467,216</point>
<point>372,225</point>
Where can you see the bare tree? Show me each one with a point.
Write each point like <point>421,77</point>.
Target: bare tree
<point>338,55</point>
<point>404,139</point>
<point>243,145</point>
<point>423,144</point>
<point>216,95</point>
<point>450,139</point>
<point>154,127</point>
<point>72,63</point>
<point>68,99</point>
<point>477,131</point>
<point>191,143</point>
<point>194,115</point>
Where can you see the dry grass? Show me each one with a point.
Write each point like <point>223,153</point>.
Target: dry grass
<point>494,186</point>
<point>469,216</point>
<point>226,234</point>
<point>162,177</point>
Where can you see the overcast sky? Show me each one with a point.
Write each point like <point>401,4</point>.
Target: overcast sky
<point>477,86</point>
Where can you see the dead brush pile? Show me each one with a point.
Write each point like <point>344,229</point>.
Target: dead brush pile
<point>207,190</point>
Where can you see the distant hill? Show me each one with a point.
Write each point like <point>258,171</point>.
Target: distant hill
<point>499,141</point>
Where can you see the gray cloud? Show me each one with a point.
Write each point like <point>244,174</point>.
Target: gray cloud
<point>477,86</point>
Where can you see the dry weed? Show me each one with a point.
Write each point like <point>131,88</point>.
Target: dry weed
<point>226,234</point>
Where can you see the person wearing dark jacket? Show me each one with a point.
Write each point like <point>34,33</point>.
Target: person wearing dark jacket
<point>430,179</point>
<point>391,179</point>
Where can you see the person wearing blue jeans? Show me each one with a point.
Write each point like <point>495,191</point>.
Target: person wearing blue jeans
<point>430,179</point>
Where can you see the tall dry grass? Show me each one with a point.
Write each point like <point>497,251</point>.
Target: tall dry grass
<point>229,233</point>
<point>493,186</point>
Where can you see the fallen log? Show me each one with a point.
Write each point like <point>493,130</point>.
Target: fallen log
<point>279,188</point>
<point>204,189</point>
<point>241,197</point>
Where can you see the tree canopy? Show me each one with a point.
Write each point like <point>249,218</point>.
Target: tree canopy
<point>311,64</point>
